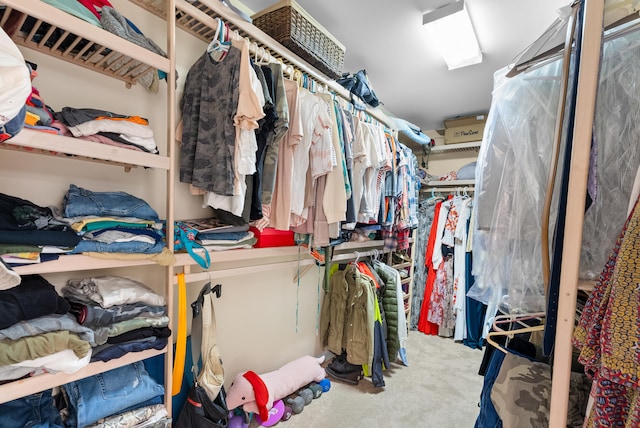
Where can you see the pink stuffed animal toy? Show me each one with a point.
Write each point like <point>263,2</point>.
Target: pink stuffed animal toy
<point>258,393</point>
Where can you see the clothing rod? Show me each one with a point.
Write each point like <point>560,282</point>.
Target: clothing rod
<point>225,273</point>
<point>255,35</point>
<point>357,255</point>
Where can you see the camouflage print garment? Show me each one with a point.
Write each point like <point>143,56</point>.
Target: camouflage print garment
<point>521,393</point>
<point>208,106</point>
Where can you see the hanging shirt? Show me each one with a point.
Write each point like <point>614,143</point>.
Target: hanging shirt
<point>264,135</point>
<point>363,157</point>
<point>309,107</point>
<point>281,201</point>
<point>249,111</point>
<point>335,196</point>
<point>280,129</point>
<point>209,100</point>
<point>460,270</point>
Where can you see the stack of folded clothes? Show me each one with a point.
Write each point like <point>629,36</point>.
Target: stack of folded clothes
<point>123,397</point>
<point>112,222</point>
<point>37,332</point>
<point>101,126</point>
<point>28,228</point>
<point>214,235</point>
<point>220,241</point>
<point>124,315</point>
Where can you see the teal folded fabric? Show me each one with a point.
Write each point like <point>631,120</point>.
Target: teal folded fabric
<point>76,9</point>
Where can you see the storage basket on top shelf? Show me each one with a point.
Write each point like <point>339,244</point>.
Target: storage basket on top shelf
<point>290,25</point>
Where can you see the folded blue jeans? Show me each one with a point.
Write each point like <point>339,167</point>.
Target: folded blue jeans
<point>132,247</point>
<point>109,393</point>
<point>33,411</point>
<point>82,202</point>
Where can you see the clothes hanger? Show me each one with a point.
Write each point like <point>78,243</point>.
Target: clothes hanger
<point>433,194</point>
<point>262,57</point>
<point>499,320</point>
<point>299,79</point>
<point>256,48</point>
<point>219,46</point>
<point>510,335</point>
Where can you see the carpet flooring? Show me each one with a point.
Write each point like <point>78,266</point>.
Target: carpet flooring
<point>440,388</point>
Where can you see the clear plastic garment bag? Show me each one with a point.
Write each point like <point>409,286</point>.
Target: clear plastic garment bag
<point>513,171</point>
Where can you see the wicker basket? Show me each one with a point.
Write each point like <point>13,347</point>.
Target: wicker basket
<point>290,25</point>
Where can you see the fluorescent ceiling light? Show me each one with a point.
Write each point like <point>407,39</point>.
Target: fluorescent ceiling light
<point>450,28</point>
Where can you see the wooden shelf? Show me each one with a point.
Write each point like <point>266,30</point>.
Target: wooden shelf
<point>48,30</point>
<point>451,183</point>
<point>81,43</point>
<point>69,147</point>
<point>402,265</point>
<point>460,147</point>
<point>365,245</point>
<point>78,262</point>
<point>254,255</point>
<point>21,387</point>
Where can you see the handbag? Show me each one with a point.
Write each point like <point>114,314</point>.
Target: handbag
<point>206,404</point>
<point>200,412</point>
<point>360,89</point>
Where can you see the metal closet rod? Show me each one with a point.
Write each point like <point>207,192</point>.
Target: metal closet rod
<point>357,255</point>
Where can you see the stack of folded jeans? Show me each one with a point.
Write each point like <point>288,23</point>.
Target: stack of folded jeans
<point>112,222</point>
<point>127,390</point>
<point>124,315</point>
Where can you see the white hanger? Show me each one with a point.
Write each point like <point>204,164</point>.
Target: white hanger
<point>218,47</point>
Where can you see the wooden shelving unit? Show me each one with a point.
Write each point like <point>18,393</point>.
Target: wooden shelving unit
<point>53,32</point>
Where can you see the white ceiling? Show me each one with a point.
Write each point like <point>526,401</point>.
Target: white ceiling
<point>387,39</point>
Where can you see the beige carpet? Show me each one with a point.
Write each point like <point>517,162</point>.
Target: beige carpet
<point>440,388</point>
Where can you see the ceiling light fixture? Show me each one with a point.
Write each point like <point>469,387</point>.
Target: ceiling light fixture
<point>450,28</point>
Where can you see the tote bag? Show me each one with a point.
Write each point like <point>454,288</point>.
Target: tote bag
<point>206,404</point>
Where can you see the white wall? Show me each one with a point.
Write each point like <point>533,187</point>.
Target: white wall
<point>441,164</point>
<point>256,315</point>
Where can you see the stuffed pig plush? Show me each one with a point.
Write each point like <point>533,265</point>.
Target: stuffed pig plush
<point>258,393</point>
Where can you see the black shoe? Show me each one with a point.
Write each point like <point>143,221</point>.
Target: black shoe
<point>352,378</point>
<point>341,365</point>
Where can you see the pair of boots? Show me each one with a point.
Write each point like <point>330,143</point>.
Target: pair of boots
<point>343,370</point>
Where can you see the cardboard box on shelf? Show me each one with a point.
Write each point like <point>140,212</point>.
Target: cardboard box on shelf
<point>464,128</point>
